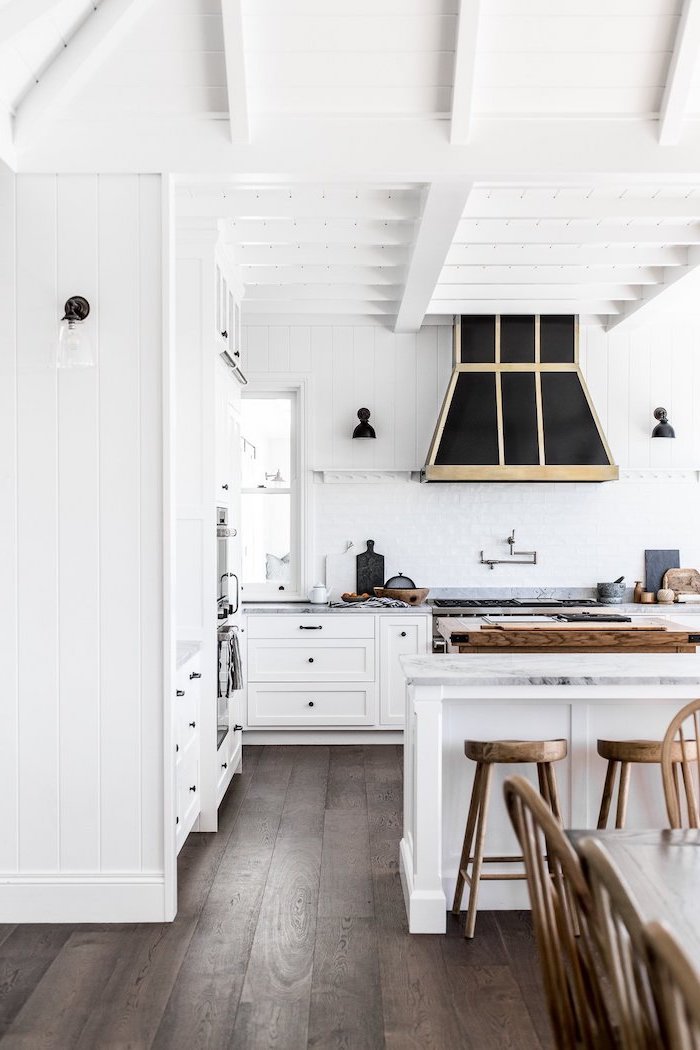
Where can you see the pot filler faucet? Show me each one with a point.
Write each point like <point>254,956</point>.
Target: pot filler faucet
<point>516,557</point>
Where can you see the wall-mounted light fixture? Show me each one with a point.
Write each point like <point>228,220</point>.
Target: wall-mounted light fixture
<point>663,428</point>
<point>364,429</point>
<point>75,348</point>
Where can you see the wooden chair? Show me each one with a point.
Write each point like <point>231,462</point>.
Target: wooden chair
<point>620,931</point>
<point>679,748</point>
<point>677,985</point>
<point>486,754</point>
<point>623,754</point>
<point>563,917</point>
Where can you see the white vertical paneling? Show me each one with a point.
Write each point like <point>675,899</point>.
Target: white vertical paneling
<point>682,394</point>
<point>344,409</point>
<point>150,264</point>
<point>363,393</point>
<point>278,349</point>
<point>405,396</point>
<point>618,362</point>
<point>78,542</point>
<point>427,393</point>
<point>596,372</point>
<point>120,516</point>
<point>9,710</point>
<point>661,382</point>
<point>321,394</point>
<point>385,396</point>
<point>300,349</point>
<point>37,513</point>
<point>258,341</point>
<point>188,310</point>
<point>639,414</point>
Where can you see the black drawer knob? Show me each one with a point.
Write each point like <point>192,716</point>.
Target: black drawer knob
<point>403,634</point>
<point>192,725</point>
<point>311,659</point>
<point>180,692</point>
<point>224,765</point>
<point>195,674</point>
<point>193,788</point>
<point>311,703</point>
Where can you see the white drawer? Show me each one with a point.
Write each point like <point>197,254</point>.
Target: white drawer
<point>186,712</point>
<point>187,793</point>
<point>308,626</point>
<point>295,660</point>
<point>309,704</point>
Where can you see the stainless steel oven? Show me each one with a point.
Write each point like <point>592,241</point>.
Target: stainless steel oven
<point>228,586</point>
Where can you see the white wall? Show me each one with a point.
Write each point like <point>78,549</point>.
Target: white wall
<point>81,720</point>
<point>583,533</point>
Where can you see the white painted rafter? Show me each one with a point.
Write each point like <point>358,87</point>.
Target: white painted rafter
<point>16,15</point>
<point>550,204</point>
<point>442,211</point>
<point>94,40</point>
<point>684,61</point>
<point>464,69</point>
<point>630,313</point>
<point>236,80</point>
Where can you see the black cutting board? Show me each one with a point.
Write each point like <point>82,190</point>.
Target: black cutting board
<point>655,565</point>
<point>370,570</point>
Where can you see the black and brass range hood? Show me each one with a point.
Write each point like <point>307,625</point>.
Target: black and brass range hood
<point>517,407</point>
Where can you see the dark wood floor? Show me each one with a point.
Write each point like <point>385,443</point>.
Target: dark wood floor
<point>291,933</point>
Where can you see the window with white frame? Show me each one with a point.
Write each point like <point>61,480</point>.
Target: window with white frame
<point>271,512</point>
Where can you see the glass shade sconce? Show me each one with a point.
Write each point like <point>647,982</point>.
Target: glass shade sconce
<point>364,428</point>
<point>663,428</point>
<point>75,349</point>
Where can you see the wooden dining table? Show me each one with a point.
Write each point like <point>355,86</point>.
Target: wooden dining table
<point>662,869</point>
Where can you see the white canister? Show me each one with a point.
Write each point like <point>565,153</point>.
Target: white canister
<point>318,595</point>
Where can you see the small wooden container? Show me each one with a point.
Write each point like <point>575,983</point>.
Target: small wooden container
<point>648,598</point>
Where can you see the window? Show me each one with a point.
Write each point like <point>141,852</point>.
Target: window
<point>271,495</point>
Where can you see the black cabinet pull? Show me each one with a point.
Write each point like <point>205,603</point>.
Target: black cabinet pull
<point>192,725</point>
<point>180,692</point>
<point>311,659</point>
<point>311,703</point>
<point>177,820</point>
<point>177,748</point>
<point>193,788</point>
<point>238,729</point>
<point>224,765</point>
<point>403,634</point>
<point>302,627</point>
<point>195,674</point>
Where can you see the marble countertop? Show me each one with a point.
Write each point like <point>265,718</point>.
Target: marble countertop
<point>185,652</point>
<point>307,608</point>
<point>539,669</point>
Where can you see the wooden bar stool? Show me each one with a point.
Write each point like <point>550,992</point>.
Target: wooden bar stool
<point>486,754</point>
<point>627,753</point>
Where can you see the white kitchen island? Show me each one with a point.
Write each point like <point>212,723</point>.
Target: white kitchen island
<point>577,697</point>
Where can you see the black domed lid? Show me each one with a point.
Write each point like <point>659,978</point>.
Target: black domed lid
<point>400,582</point>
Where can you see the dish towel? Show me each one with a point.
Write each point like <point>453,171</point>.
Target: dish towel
<point>372,603</point>
<point>236,664</point>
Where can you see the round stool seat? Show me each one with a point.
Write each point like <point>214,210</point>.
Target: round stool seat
<point>643,750</point>
<point>509,751</point>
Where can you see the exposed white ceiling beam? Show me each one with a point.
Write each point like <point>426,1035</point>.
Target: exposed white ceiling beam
<point>565,255</point>
<point>531,292</point>
<point>321,231</point>
<point>464,68</point>
<point>522,231</point>
<point>443,208</point>
<point>94,40</point>
<point>16,15</point>
<point>322,306</point>
<point>300,202</point>
<point>680,74</point>
<point>567,274</point>
<point>236,80</point>
<point>542,205</point>
<point>630,313</point>
<point>515,306</point>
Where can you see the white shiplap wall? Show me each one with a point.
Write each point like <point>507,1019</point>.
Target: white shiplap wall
<point>434,532</point>
<point>82,725</point>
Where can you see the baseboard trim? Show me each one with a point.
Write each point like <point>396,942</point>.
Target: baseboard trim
<point>322,736</point>
<point>82,897</point>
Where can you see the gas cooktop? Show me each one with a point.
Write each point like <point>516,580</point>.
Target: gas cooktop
<point>515,603</point>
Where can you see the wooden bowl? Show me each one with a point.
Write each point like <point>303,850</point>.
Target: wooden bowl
<point>412,595</point>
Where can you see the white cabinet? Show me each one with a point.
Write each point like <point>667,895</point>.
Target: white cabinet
<point>331,670</point>
<point>186,734</point>
<point>399,636</point>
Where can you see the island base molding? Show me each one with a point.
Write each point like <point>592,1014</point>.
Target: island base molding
<point>83,897</point>
<point>438,777</point>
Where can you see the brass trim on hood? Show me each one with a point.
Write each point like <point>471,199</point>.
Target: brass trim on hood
<point>502,471</point>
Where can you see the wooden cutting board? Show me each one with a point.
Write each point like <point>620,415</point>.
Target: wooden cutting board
<point>370,570</point>
<point>588,627</point>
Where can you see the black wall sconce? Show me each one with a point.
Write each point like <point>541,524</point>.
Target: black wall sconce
<point>75,348</point>
<point>663,428</point>
<point>364,429</point>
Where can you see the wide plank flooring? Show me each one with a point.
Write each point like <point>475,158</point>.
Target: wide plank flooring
<point>290,934</point>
